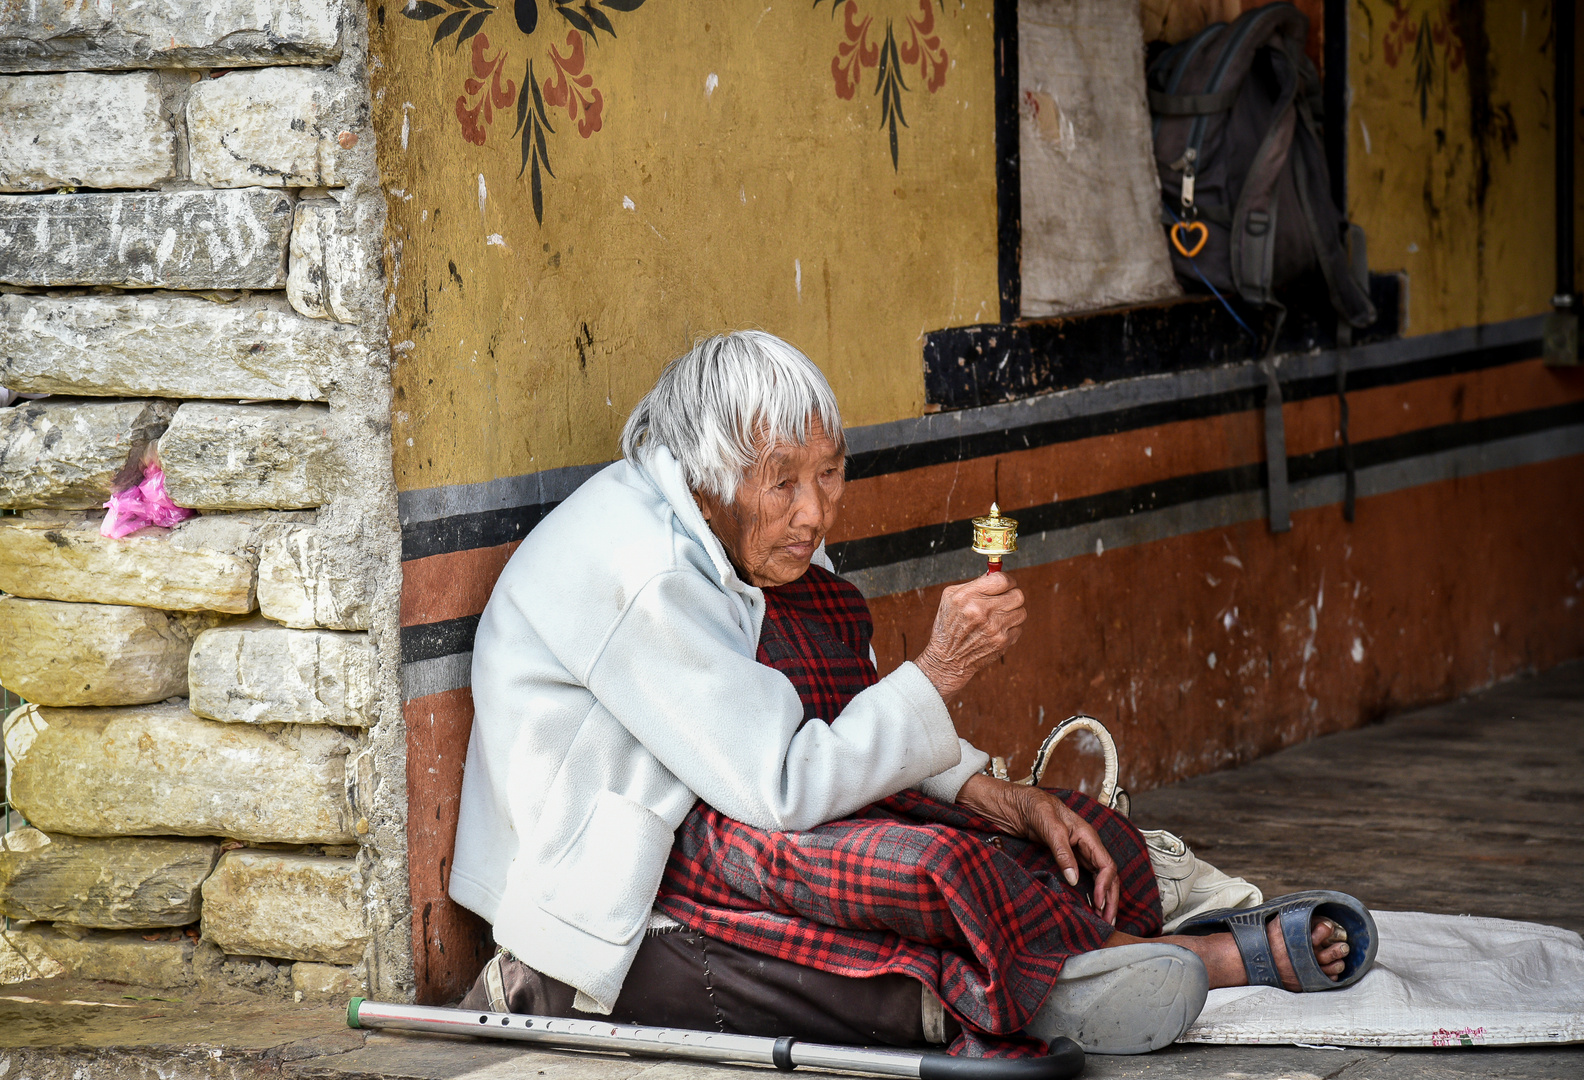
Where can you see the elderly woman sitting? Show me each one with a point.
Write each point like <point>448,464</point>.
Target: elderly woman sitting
<point>691,800</point>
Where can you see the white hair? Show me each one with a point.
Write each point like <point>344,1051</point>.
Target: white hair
<point>722,405</point>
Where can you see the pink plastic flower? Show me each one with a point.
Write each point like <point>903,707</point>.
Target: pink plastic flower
<point>139,507</point>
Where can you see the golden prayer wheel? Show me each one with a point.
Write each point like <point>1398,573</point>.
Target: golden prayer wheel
<point>995,536</point>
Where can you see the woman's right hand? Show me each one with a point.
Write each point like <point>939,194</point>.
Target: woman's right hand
<point>977,621</point>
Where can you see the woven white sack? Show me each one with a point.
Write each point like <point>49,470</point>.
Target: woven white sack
<point>1438,980</point>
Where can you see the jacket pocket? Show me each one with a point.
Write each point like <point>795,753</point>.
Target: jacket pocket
<point>605,882</point>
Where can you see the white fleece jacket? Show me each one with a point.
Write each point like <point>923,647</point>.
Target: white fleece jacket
<point>614,683</point>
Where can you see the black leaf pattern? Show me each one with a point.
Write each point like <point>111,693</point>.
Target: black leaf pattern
<point>599,19</point>
<point>474,25</point>
<point>544,155</point>
<point>522,107</point>
<point>537,188</point>
<point>538,100</point>
<point>889,87</point>
<point>449,25</point>
<point>575,17</point>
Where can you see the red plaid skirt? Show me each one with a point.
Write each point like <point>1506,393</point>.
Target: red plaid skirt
<point>909,884</point>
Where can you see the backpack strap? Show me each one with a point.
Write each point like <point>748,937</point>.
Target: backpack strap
<point>1164,104</point>
<point>1349,472</point>
<point>1173,65</point>
<point>1346,269</point>
<point>1254,220</point>
<point>1253,29</point>
<point>1279,494</point>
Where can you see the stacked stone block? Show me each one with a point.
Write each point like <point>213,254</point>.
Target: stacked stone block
<point>187,228</point>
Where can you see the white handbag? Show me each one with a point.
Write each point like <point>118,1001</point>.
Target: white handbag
<point>1188,885</point>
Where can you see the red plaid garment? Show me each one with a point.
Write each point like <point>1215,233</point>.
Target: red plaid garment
<point>816,632</point>
<point>908,884</point>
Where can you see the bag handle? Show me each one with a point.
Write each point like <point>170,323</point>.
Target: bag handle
<point>1111,795</point>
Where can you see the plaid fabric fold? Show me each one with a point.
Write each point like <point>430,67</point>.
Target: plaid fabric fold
<point>909,884</point>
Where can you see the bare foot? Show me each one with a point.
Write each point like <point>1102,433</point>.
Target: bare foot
<point>1224,963</point>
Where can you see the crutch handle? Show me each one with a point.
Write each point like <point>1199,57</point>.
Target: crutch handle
<point>1064,1060</point>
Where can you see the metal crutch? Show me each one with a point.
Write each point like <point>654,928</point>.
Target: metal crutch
<point>1065,1060</point>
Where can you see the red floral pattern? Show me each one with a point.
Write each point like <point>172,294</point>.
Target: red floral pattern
<point>924,48</point>
<point>854,54</point>
<point>569,87</point>
<point>483,93</point>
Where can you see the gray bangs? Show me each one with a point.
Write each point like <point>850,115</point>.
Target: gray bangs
<point>730,399</point>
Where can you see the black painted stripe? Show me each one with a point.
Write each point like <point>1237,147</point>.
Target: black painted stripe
<point>430,640</point>
<point>928,540</point>
<point>1452,363</point>
<point>489,528</point>
<point>463,532</point>
<point>1009,170</point>
<point>1030,436</point>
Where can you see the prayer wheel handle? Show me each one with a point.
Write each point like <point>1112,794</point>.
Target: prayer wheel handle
<point>1110,794</point>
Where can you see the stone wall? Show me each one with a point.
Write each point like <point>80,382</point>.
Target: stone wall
<point>210,761</point>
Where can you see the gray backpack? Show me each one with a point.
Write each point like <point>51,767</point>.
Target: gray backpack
<point>1247,201</point>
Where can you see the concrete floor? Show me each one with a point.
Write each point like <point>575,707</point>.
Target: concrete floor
<point>1475,806</point>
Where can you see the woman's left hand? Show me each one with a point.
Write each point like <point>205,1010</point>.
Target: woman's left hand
<point>1035,814</point>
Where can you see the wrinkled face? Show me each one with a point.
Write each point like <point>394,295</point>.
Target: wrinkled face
<point>784,507</point>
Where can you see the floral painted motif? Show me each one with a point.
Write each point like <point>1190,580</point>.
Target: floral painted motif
<point>571,84</point>
<point>924,48</point>
<point>853,55</point>
<point>484,92</point>
<point>855,52</point>
<point>571,87</point>
<point>1432,29</point>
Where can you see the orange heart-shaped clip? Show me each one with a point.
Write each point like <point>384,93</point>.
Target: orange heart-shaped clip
<point>1181,230</point>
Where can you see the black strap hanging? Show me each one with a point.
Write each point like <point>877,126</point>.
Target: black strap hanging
<point>1349,476</point>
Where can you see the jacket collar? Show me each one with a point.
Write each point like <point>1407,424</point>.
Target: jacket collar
<point>664,471</point>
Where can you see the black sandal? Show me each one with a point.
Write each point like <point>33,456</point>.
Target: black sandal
<point>1296,912</point>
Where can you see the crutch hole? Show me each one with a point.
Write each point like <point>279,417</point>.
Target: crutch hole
<point>483,1019</point>
<point>505,1021</point>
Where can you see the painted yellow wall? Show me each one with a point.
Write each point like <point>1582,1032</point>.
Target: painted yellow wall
<point>1451,165</point>
<point>727,185</point>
